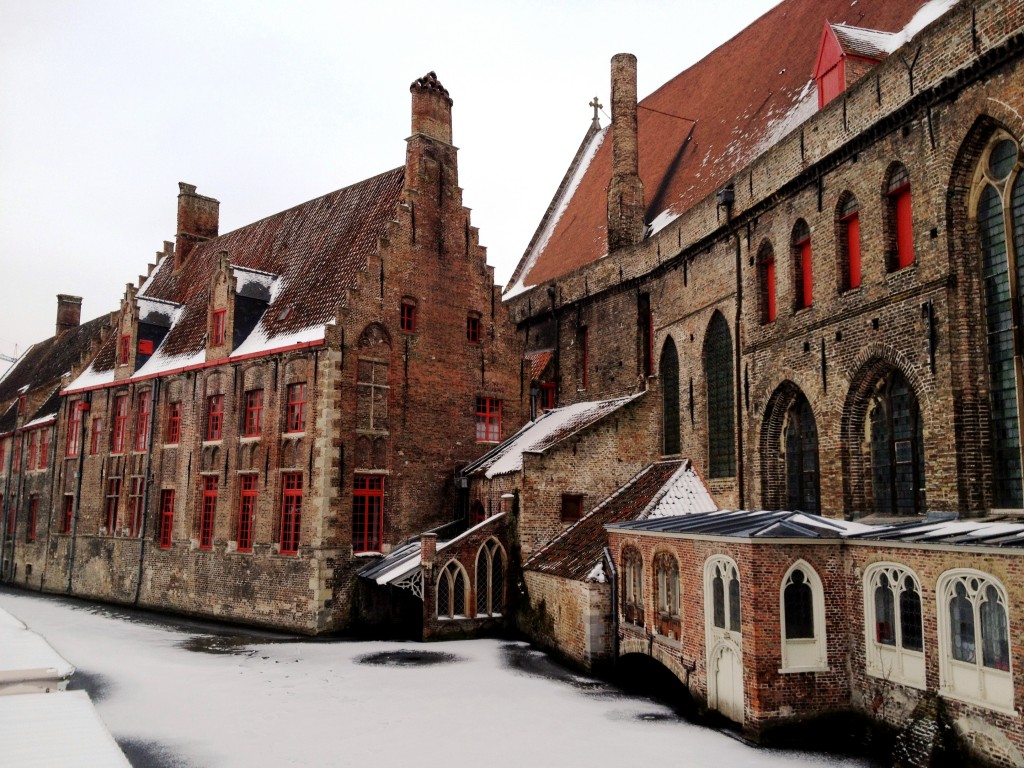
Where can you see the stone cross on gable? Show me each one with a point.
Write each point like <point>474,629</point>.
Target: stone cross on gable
<point>596,105</point>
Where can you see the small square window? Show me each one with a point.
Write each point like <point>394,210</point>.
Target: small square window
<point>408,324</point>
<point>572,507</point>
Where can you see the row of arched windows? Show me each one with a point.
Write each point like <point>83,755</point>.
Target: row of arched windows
<point>452,588</point>
<point>972,620</point>
<point>899,240</point>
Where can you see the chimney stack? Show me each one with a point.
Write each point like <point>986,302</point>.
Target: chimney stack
<point>428,550</point>
<point>69,312</point>
<point>198,221</point>
<point>431,109</point>
<point>625,191</point>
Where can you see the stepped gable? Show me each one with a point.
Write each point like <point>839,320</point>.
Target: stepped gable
<point>739,95</point>
<point>317,248</point>
<point>575,552</point>
<point>44,363</point>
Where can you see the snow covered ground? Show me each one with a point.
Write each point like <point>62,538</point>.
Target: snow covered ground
<point>175,693</point>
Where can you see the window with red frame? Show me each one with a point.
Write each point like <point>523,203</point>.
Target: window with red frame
<point>94,439</point>
<point>572,507</point>
<point>473,329</point>
<point>33,513</point>
<point>246,512</point>
<point>136,493</point>
<point>291,512</point>
<point>215,417</point>
<point>208,509</point>
<point>548,390</point>
<point>74,438</point>
<point>849,242</point>
<point>901,219</point>
<point>220,319</point>
<point>142,420</point>
<point>253,413</point>
<point>766,283</point>
<point>124,350</point>
<point>173,424</point>
<point>44,449</point>
<point>367,512</point>
<point>488,420</point>
<point>295,420</point>
<point>803,276</point>
<point>477,512</point>
<point>22,402</point>
<point>3,455</point>
<point>69,514</point>
<point>408,319</point>
<point>113,500</point>
<point>120,431</point>
<point>16,458</point>
<point>33,449</point>
<point>166,517</point>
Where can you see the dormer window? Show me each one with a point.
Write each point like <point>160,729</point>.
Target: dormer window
<point>220,319</point>
<point>844,54</point>
<point>124,351</point>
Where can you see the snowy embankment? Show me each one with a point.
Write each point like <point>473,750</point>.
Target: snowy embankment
<point>191,697</point>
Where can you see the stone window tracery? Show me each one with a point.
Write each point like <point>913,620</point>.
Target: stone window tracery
<point>893,629</point>
<point>490,579</point>
<point>452,592</point>
<point>802,608</point>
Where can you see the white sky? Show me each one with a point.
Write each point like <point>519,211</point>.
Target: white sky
<point>106,105</point>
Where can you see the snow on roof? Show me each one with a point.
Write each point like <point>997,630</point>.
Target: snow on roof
<point>27,656</point>
<point>39,421</point>
<point>684,494</point>
<point>255,283</point>
<point>91,377</point>
<point>158,311</point>
<point>967,532</point>
<point>749,524</point>
<point>56,730</point>
<point>868,43</point>
<point>259,341</point>
<point>537,436</point>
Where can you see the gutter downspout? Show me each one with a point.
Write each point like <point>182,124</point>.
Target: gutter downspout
<point>148,481</point>
<point>78,493</point>
<point>615,605</point>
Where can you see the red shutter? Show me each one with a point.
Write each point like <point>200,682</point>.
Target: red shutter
<point>853,251</point>
<point>904,230</point>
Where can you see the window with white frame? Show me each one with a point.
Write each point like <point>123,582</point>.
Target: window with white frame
<point>974,639</point>
<point>892,623</point>
<point>452,591</point>
<point>666,572</point>
<point>490,579</point>
<point>802,607</point>
<point>722,597</point>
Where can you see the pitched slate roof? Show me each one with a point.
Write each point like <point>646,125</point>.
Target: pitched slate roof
<point>547,430</point>
<point>748,524</point>
<point>664,488</point>
<point>990,533</point>
<point>310,254</point>
<point>866,43</point>
<point>46,362</point>
<point>698,129</point>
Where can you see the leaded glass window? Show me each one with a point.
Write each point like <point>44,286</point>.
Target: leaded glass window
<point>669,369</point>
<point>800,434</point>
<point>490,579</point>
<point>897,457</point>
<point>718,372</point>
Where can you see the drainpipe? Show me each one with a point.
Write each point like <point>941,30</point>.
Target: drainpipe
<point>615,604</point>
<point>147,482</point>
<point>78,493</point>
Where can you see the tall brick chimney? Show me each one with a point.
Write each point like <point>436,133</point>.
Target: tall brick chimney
<point>198,221</point>
<point>431,109</point>
<point>69,312</point>
<point>625,191</point>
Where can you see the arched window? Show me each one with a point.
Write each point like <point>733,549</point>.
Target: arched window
<point>897,457</point>
<point>892,621</point>
<point>766,283</point>
<point>974,639</point>
<point>476,512</point>
<point>452,592</point>
<point>666,573</point>
<point>490,579</point>
<point>669,370</point>
<point>803,271</point>
<point>1000,215</point>
<point>721,404</point>
<point>800,444</point>
<point>899,218</point>
<point>633,585</point>
<point>722,584</point>
<point>849,243</point>
<point>802,605</point>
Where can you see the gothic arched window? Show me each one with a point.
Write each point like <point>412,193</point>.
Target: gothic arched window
<point>849,243</point>
<point>800,443</point>
<point>490,579</point>
<point>718,373</point>
<point>897,456</point>
<point>669,370</point>
<point>452,592</point>
<point>893,629</point>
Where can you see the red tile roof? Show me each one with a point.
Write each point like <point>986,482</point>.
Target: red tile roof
<point>734,94</point>
<point>538,362</point>
<point>317,248</point>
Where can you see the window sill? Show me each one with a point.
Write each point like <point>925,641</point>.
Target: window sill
<point>892,677</point>
<point>798,670</point>
<point>367,554</point>
<point>165,446</point>
<point>293,435</point>
<point>249,439</point>
<point>215,443</point>
<point>947,694</point>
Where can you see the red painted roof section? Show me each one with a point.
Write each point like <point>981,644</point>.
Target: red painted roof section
<point>538,362</point>
<point>735,94</point>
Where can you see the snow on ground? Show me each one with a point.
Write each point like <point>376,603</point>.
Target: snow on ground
<point>314,704</point>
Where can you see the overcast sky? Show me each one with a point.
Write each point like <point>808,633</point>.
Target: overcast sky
<point>105,106</point>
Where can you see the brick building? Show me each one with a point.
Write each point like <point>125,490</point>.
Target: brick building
<point>283,402</point>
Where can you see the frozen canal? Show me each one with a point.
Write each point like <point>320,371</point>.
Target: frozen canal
<point>174,693</point>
